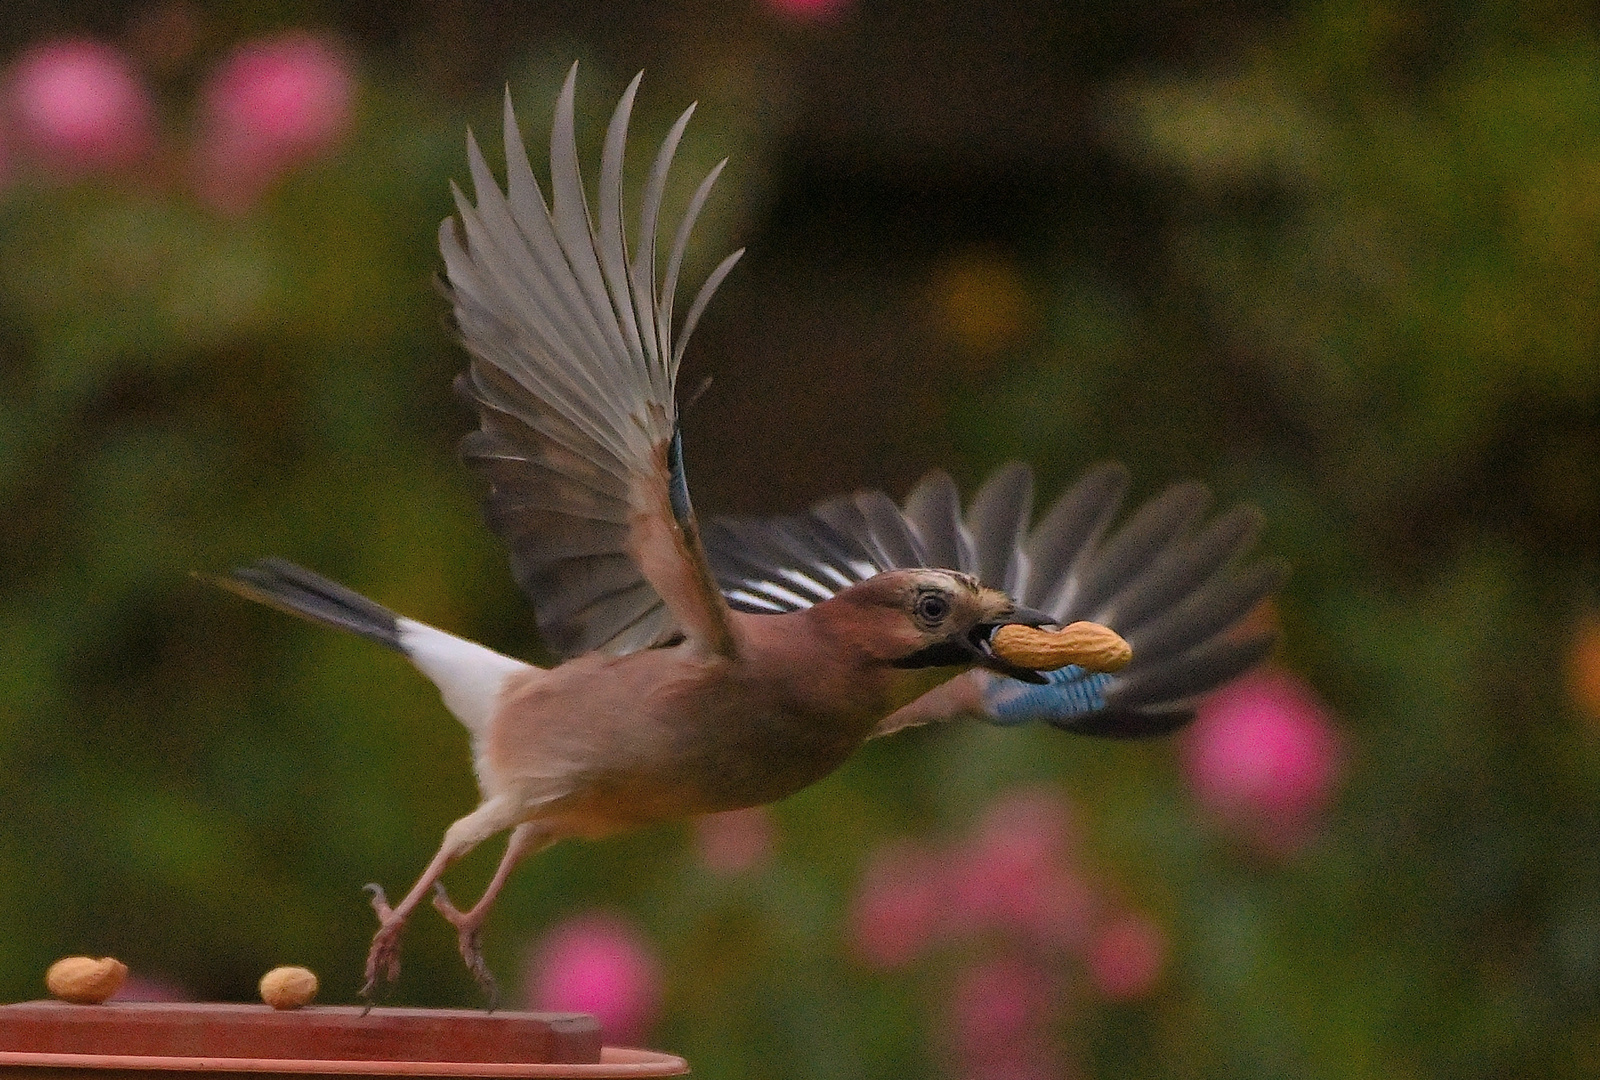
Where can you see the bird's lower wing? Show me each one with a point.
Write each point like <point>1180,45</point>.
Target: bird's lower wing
<point>573,375</point>
<point>1178,595</point>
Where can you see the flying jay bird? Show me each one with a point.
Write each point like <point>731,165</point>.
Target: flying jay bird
<point>708,670</point>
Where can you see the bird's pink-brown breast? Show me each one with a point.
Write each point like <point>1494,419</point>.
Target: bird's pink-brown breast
<point>606,743</point>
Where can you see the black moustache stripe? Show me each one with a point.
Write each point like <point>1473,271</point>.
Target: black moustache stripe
<point>942,654</point>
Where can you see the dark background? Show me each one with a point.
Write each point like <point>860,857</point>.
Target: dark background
<point>1337,259</point>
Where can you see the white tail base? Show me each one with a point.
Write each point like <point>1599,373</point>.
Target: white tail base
<point>468,675</point>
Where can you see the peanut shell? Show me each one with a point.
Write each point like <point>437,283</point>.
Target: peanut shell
<point>1089,645</point>
<point>288,987</point>
<point>84,980</point>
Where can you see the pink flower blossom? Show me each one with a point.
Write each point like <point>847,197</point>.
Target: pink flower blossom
<point>736,841</point>
<point>80,105</point>
<point>898,906</point>
<point>1126,957</point>
<point>1263,757</point>
<point>275,103</point>
<point>1016,873</point>
<point>809,10</point>
<point>1000,1015</point>
<point>600,964</point>
<point>1036,820</point>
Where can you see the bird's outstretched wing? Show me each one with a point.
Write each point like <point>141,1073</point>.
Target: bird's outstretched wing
<point>574,366</point>
<point>1176,592</point>
<point>771,565</point>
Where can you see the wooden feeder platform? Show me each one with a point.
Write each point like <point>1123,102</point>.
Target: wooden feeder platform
<point>135,1040</point>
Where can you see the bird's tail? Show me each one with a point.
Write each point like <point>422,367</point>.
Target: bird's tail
<point>469,676</point>
<point>281,584</point>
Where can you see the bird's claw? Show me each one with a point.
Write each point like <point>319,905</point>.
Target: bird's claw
<point>383,962</point>
<point>383,959</point>
<point>470,941</point>
<point>441,902</point>
<point>380,902</point>
<point>472,953</point>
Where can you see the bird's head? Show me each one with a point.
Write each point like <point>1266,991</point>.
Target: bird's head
<point>930,619</point>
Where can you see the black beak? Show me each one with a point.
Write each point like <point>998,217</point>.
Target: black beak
<point>1028,616</point>
<point>983,649</point>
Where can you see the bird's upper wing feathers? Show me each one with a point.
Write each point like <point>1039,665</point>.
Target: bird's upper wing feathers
<point>573,373</point>
<point>770,565</point>
<point>1176,594</point>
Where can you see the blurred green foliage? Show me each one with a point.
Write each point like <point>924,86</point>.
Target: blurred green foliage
<point>1340,259</point>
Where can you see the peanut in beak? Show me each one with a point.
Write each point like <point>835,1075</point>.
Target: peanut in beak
<point>1089,645</point>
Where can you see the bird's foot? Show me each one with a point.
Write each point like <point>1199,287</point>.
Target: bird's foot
<point>383,959</point>
<point>468,925</point>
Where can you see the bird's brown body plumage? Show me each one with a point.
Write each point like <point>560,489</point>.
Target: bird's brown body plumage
<point>603,743</point>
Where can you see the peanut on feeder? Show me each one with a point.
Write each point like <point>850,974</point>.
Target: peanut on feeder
<point>84,980</point>
<point>288,987</point>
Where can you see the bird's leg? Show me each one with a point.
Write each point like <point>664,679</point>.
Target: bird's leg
<point>383,959</point>
<point>526,839</point>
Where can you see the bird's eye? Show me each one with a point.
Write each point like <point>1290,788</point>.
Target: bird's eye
<point>932,607</point>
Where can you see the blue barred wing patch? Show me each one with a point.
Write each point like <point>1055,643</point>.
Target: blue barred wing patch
<point>1070,693</point>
